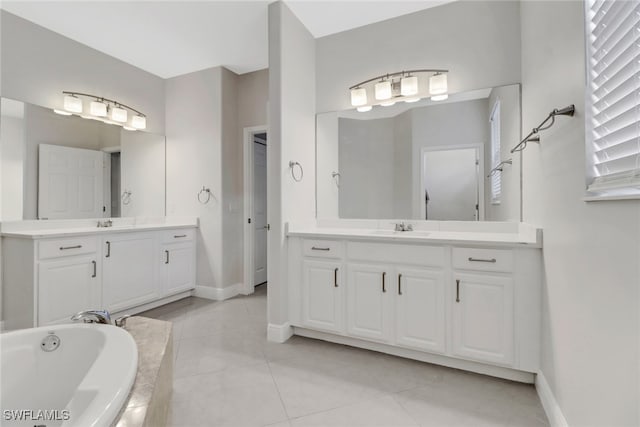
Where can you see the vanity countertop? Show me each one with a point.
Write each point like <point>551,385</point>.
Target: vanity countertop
<point>512,234</point>
<point>70,228</point>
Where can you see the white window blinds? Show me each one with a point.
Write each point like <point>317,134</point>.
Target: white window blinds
<point>613,65</point>
<point>496,178</point>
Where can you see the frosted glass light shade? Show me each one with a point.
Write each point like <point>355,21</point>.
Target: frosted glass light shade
<point>358,97</point>
<point>411,100</point>
<point>129,128</point>
<point>364,109</point>
<point>139,122</point>
<point>62,112</point>
<point>97,108</point>
<point>119,114</point>
<point>438,84</point>
<point>409,86</point>
<point>439,97</point>
<point>72,104</point>
<point>383,90</point>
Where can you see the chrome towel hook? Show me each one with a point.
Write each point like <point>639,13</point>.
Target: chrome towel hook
<point>336,177</point>
<point>205,192</point>
<point>292,166</point>
<point>499,167</point>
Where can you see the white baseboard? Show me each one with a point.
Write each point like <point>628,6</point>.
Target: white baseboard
<point>279,333</point>
<point>217,294</point>
<point>549,402</point>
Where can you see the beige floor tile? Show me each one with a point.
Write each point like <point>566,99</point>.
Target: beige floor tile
<point>381,412</point>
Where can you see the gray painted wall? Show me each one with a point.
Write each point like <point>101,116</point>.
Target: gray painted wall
<point>292,102</point>
<point>478,41</point>
<point>38,64</point>
<point>590,347</point>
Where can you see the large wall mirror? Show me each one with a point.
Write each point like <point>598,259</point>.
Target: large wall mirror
<point>423,160</point>
<point>68,167</point>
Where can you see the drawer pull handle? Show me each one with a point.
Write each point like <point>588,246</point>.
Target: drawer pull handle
<point>384,289</point>
<point>64,248</point>
<point>166,260</point>
<point>457,290</point>
<point>108,250</point>
<point>399,284</point>
<point>178,236</point>
<point>335,278</point>
<point>493,260</point>
<point>315,248</point>
<point>95,269</point>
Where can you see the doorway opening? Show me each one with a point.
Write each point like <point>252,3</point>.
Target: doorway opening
<point>451,182</point>
<point>255,208</point>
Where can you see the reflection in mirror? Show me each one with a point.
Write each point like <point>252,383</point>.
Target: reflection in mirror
<point>68,167</point>
<point>423,160</point>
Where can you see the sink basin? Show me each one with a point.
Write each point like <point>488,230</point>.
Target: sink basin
<point>415,233</point>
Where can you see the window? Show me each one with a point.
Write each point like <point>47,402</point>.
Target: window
<point>496,178</point>
<point>613,97</point>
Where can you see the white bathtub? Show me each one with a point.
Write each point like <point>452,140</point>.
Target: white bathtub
<point>84,382</point>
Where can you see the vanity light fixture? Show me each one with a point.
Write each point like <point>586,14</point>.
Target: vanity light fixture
<point>404,86</point>
<point>106,110</point>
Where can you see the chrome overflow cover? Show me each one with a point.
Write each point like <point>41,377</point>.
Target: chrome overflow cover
<point>50,343</point>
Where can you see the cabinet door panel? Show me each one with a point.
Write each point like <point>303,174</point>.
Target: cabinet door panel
<point>130,271</point>
<point>179,268</point>
<point>66,287</point>
<point>420,318</point>
<point>322,299</point>
<point>483,318</point>
<point>370,311</point>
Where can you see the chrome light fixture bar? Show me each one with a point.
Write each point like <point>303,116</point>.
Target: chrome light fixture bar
<point>399,86</point>
<point>103,109</point>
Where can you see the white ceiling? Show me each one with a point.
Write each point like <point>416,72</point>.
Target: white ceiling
<point>170,38</point>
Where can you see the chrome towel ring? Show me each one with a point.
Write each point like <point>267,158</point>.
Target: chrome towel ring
<point>292,166</point>
<point>204,195</point>
<point>126,197</point>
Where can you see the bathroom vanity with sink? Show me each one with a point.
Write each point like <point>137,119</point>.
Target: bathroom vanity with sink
<point>460,294</point>
<point>54,269</point>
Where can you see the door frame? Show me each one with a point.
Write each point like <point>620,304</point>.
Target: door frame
<point>248,284</point>
<point>479,147</point>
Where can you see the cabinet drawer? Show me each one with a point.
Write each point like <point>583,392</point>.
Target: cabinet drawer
<point>432,256</point>
<point>482,259</point>
<point>322,248</point>
<point>70,246</point>
<point>178,235</point>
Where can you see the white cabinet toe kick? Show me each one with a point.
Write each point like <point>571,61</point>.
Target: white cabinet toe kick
<point>47,280</point>
<point>476,308</point>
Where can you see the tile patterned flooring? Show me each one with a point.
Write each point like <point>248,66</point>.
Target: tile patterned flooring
<point>226,373</point>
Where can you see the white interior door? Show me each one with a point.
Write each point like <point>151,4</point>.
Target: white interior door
<point>260,212</point>
<point>451,184</point>
<point>69,182</point>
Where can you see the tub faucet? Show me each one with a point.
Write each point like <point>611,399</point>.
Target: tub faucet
<point>93,316</point>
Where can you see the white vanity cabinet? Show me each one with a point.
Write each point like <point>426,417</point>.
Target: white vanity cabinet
<point>68,277</point>
<point>178,258</point>
<point>130,270</point>
<point>47,279</point>
<point>475,308</point>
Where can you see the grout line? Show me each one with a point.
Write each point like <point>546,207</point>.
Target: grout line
<point>275,383</point>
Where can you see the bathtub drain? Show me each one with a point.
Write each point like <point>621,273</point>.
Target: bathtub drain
<point>50,343</point>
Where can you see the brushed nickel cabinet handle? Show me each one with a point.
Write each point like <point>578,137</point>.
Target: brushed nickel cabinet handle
<point>481,260</point>
<point>399,284</point>
<point>166,260</point>
<point>335,278</point>
<point>95,269</point>
<point>314,248</point>
<point>457,290</point>
<point>64,248</point>
<point>384,289</point>
<point>108,250</point>
<point>178,236</point>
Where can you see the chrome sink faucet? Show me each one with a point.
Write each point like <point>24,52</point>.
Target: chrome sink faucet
<point>401,226</point>
<point>93,316</point>
<point>105,223</point>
